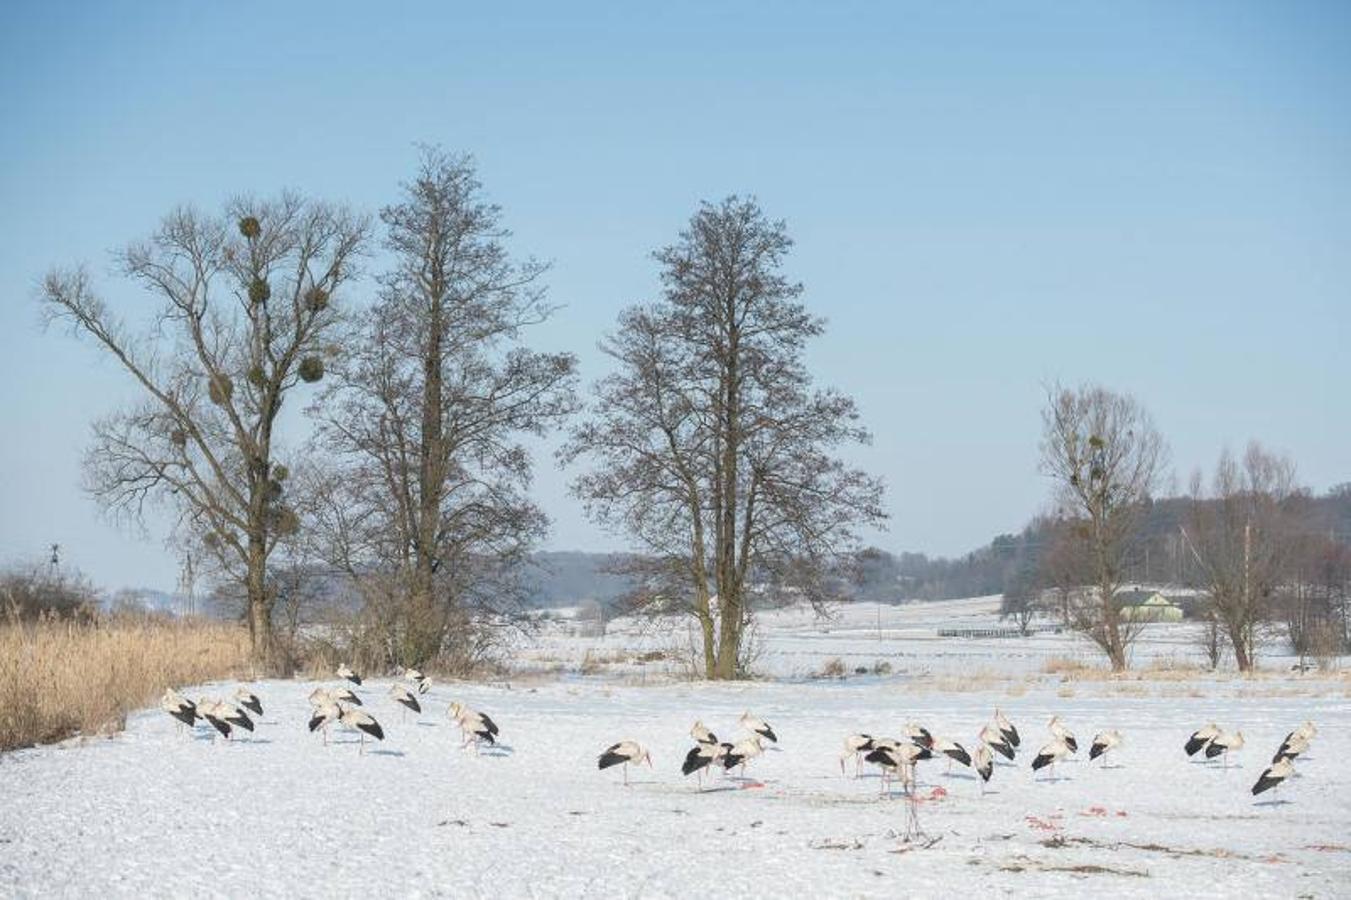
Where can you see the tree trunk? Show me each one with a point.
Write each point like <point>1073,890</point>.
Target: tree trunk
<point>1242,648</point>
<point>259,603</point>
<point>423,637</point>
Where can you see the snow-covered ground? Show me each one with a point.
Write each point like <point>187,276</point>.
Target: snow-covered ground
<point>152,812</point>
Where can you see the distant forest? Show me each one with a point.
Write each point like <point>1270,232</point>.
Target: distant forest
<point>568,578</point>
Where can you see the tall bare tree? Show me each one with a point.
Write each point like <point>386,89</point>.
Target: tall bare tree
<point>1105,458</point>
<point>1242,531</point>
<point>427,413</point>
<point>711,449</point>
<point>246,302</point>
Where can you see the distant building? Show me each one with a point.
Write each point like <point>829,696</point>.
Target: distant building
<point>1149,606</point>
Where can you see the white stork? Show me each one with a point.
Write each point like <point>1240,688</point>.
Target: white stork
<point>1007,729</point>
<point>983,762</point>
<point>623,753</point>
<point>421,681</point>
<point>475,726</point>
<point>699,731</point>
<point>898,758</point>
<point>249,700</point>
<point>223,717</point>
<point>996,740</point>
<point>701,757</point>
<point>326,711</point>
<point>345,672</point>
<point>1223,743</point>
<point>954,751</point>
<point>1297,741</point>
<point>758,726</point>
<point>181,708</point>
<point>1051,754</point>
<point>742,752</point>
<point>855,745</point>
<point>363,722</point>
<point>1273,775</point>
<point>1200,738</point>
<point>1103,742</point>
<point>401,695</point>
<point>1060,731</point>
<point>918,735</point>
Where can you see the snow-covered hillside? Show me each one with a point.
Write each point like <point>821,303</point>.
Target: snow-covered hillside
<point>152,812</point>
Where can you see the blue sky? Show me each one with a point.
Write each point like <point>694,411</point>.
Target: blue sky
<point>1156,196</point>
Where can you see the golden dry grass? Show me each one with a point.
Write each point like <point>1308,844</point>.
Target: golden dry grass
<point>61,678</point>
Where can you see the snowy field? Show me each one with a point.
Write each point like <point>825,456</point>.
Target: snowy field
<point>154,813</point>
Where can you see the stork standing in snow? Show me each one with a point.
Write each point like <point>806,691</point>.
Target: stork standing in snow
<point>983,762</point>
<point>1200,738</point>
<point>897,760</point>
<point>1062,733</point>
<point>623,753</point>
<point>334,695</point>
<point>855,746</point>
<point>421,683</point>
<point>181,708</point>
<point>699,731</point>
<point>742,752</point>
<point>475,726</point>
<point>223,717</point>
<point>1273,775</point>
<point>1051,754</point>
<point>249,700</point>
<point>954,751</point>
<point>401,695</point>
<point>1007,729</point>
<point>702,756</point>
<point>363,722</point>
<point>1296,742</point>
<point>326,711</point>
<point>918,735</point>
<point>996,740</point>
<point>1103,742</point>
<point>1222,744</point>
<point>345,672</point>
<point>758,726</point>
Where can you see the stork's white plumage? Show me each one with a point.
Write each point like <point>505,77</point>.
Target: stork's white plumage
<point>699,731</point>
<point>249,700</point>
<point>624,753</point>
<point>997,741</point>
<point>742,752</point>
<point>897,759</point>
<point>1051,754</point>
<point>918,734</point>
<point>703,756</point>
<point>1006,728</point>
<point>983,762</point>
<point>855,745</point>
<point>1222,744</point>
<point>403,696</point>
<point>363,722</point>
<point>1293,745</point>
<point>954,751</point>
<point>1273,775</point>
<point>1060,731</point>
<point>326,711</point>
<point>346,673</point>
<point>475,726</point>
<point>758,726</point>
<point>222,716</point>
<point>181,708</point>
<point>1200,738</point>
<point>1103,742</point>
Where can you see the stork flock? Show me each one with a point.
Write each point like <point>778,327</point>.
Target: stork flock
<point>897,758</point>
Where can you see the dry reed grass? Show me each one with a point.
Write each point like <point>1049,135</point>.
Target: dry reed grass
<point>60,678</point>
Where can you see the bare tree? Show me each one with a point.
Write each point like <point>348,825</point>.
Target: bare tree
<point>711,449</point>
<point>1105,458</point>
<point>426,415</point>
<point>1242,534</point>
<point>245,305</point>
